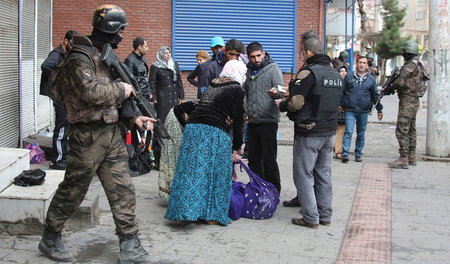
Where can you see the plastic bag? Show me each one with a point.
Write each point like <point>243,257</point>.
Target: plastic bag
<point>30,178</point>
<point>261,198</point>
<point>37,155</point>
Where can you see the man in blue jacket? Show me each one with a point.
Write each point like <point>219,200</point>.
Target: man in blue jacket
<point>211,69</point>
<point>358,96</point>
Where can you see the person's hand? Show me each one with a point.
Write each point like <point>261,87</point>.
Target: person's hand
<point>144,122</point>
<point>180,101</point>
<point>129,90</point>
<point>341,108</point>
<point>380,116</point>
<point>278,101</point>
<point>273,92</point>
<point>236,156</point>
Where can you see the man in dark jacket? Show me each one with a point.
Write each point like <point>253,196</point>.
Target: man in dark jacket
<point>358,96</point>
<point>137,63</point>
<point>263,115</point>
<point>311,105</point>
<point>56,57</point>
<point>212,68</point>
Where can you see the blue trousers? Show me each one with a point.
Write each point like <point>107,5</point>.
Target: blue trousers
<point>360,119</point>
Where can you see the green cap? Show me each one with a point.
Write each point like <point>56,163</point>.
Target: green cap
<point>343,54</point>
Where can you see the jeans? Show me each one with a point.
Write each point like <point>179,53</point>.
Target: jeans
<point>361,124</point>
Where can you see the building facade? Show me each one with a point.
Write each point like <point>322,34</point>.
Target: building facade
<point>33,27</point>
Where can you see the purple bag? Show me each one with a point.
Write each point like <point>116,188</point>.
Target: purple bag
<point>261,198</point>
<point>37,155</point>
<point>237,200</point>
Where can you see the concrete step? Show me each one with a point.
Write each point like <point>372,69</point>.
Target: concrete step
<point>12,162</point>
<point>24,208</point>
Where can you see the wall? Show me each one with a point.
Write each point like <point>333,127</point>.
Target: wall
<point>152,20</point>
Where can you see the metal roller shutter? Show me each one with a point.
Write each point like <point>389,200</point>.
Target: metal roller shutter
<point>27,68</point>
<point>9,72</point>
<point>44,105</point>
<point>270,22</point>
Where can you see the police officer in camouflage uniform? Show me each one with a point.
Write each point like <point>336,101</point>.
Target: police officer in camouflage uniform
<point>92,99</point>
<point>410,85</point>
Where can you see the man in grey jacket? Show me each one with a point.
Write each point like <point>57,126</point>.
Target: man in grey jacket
<point>263,115</point>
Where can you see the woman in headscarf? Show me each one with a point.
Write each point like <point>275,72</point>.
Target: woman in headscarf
<point>167,86</point>
<point>201,187</point>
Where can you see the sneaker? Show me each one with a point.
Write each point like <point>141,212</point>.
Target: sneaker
<point>358,159</point>
<point>133,173</point>
<point>61,165</point>
<point>344,159</point>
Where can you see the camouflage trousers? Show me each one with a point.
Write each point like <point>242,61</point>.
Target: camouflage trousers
<point>406,123</point>
<point>95,149</point>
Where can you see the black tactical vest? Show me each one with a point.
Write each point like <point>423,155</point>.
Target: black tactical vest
<point>323,100</point>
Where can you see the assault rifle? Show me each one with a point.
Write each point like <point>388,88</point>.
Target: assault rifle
<point>387,88</point>
<point>120,70</point>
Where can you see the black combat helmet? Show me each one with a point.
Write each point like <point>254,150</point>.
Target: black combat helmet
<point>109,19</point>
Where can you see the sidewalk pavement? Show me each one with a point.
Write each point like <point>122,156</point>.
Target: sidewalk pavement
<point>379,216</point>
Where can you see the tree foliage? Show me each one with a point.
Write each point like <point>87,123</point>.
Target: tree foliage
<point>390,41</point>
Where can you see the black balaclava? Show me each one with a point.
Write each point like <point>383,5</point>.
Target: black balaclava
<point>99,38</point>
<point>408,56</point>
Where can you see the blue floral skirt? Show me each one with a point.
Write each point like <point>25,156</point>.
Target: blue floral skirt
<point>201,187</point>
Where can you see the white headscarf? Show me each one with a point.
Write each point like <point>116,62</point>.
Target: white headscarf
<point>235,70</point>
<point>162,63</point>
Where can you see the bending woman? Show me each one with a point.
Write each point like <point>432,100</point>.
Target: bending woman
<point>201,186</point>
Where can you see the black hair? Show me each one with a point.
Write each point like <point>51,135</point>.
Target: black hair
<point>309,34</point>
<point>314,45</point>
<point>137,42</point>
<point>69,34</point>
<point>254,46</point>
<point>362,57</point>
<point>236,45</point>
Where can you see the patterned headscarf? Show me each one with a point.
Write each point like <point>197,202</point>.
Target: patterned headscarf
<point>235,70</point>
<point>163,64</point>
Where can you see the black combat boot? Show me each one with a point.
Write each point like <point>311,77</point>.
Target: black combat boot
<point>131,251</point>
<point>52,246</point>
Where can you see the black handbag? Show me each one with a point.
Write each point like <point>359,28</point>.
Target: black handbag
<point>139,159</point>
<point>30,178</point>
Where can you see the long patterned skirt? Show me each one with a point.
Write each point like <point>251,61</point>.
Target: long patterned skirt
<point>201,187</point>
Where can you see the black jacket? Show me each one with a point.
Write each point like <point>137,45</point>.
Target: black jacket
<point>138,66</point>
<point>167,92</point>
<point>54,58</point>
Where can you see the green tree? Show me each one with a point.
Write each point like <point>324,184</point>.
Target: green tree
<point>390,41</point>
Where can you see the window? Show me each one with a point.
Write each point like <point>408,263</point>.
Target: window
<point>419,2</point>
<point>404,2</point>
<point>419,15</point>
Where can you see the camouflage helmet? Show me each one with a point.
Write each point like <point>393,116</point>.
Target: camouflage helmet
<point>410,47</point>
<point>109,19</point>
<point>343,54</point>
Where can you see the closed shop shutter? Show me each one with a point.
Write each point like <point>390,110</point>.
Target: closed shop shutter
<point>271,22</point>
<point>9,72</point>
<point>44,105</point>
<point>27,69</point>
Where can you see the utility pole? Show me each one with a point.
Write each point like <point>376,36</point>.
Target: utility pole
<point>438,114</point>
